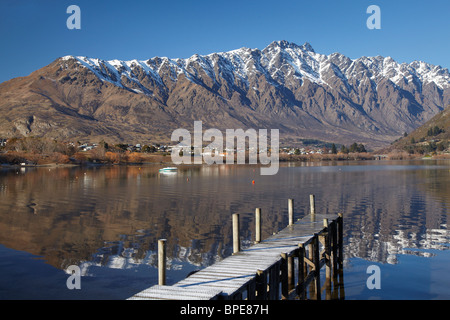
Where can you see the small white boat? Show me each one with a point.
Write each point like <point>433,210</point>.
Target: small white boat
<point>168,169</point>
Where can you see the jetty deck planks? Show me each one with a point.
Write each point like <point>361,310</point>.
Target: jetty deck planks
<point>263,266</point>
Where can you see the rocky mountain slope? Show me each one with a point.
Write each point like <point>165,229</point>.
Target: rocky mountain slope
<point>432,136</point>
<point>304,94</point>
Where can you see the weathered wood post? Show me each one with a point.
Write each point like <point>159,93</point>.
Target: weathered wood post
<point>316,262</point>
<point>261,285</point>
<point>236,236</point>
<point>258,225</point>
<point>311,265</point>
<point>290,259</point>
<point>334,249</point>
<point>251,290</point>
<point>274,282</point>
<point>312,204</point>
<point>291,272</point>
<point>341,285</point>
<point>340,239</point>
<point>284,277</point>
<point>327,255</point>
<point>162,262</point>
<point>291,211</point>
<point>301,271</point>
<point>327,250</point>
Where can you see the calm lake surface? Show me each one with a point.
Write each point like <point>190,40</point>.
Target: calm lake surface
<point>107,221</point>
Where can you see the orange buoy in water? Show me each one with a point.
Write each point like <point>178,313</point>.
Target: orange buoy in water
<point>253,181</point>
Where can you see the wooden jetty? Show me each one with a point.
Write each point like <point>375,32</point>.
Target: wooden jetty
<point>286,265</point>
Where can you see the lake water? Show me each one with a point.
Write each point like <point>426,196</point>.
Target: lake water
<point>107,221</point>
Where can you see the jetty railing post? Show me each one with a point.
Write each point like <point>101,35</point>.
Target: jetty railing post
<point>312,204</point>
<point>162,262</point>
<point>334,248</point>
<point>301,271</point>
<point>291,272</point>
<point>261,285</point>
<point>258,225</point>
<point>236,235</point>
<point>341,285</point>
<point>340,239</point>
<point>276,282</point>
<point>291,211</point>
<point>270,283</point>
<point>327,255</point>
<point>310,267</point>
<point>284,277</point>
<point>316,261</point>
<point>327,249</point>
<point>251,290</point>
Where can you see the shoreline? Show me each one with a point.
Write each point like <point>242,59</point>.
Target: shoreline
<point>158,159</point>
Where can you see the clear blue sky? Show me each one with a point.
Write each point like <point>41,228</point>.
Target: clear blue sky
<point>33,33</point>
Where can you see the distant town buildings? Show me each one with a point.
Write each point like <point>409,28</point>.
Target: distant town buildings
<point>156,147</point>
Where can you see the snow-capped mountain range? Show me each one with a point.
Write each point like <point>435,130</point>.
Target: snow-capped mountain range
<point>298,62</point>
<point>305,94</point>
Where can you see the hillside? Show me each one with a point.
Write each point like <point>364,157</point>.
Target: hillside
<point>304,94</point>
<point>431,137</point>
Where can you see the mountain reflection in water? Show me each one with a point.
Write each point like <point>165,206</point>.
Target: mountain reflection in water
<point>108,219</point>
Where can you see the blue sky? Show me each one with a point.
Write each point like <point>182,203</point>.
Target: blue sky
<point>33,33</point>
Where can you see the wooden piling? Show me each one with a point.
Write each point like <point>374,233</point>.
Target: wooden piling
<point>275,282</point>
<point>327,249</point>
<point>261,285</point>
<point>291,272</point>
<point>236,235</point>
<point>284,277</point>
<point>311,264</point>
<point>312,204</point>
<point>334,248</point>
<point>316,262</point>
<point>258,225</point>
<point>301,271</point>
<point>327,256</point>
<point>162,262</point>
<point>291,211</point>
<point>340,235</point>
